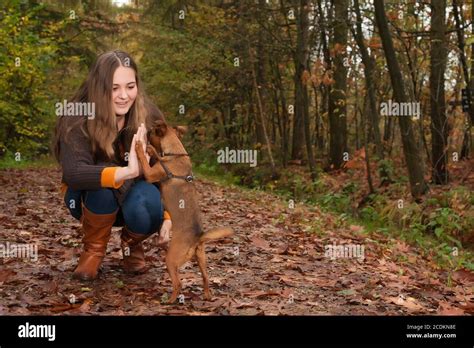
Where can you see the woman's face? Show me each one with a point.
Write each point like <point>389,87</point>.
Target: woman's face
<point>124,90</point>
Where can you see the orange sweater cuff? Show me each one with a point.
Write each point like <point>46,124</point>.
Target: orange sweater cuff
<point>166,215</point>
<point>63,189</point>
<point>107,178</point>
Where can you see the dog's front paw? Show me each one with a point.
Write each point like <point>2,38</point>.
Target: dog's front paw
<point>139,149</point>
<point>150,149</point>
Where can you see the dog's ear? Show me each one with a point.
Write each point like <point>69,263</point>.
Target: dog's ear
<point>181,131</point>
<point>160,128</point>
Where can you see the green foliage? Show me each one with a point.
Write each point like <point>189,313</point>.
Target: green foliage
<point>338,202</point>
<point>444,222</point>
<point>385,169</point>
<point>214,172</point>
<point>9,160</point>
<point>43,55</point>
<point>185,67</point>
<point>369,214</point>
<point>27,53</point>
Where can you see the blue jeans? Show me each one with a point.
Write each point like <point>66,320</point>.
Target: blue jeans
<point>141,212</point>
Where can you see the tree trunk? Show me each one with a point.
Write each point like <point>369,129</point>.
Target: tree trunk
<point>284,109</point>
<point>261,114</point>
<point>319,138</point>
<point>365,136</point>
<point>299,61</point>
<point>469,81</point>
<point>439,126</point>
<point>325,88</point>
<point>369,82</point>
<point>301,89</point>
<point>411,148</point>
<point>337,96</point>
<point>261,61</point>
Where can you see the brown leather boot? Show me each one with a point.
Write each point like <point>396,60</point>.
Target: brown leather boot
<point>97,229</point>
<point>133,253</point>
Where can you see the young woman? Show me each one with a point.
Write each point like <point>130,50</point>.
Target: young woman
<point>102,179</point>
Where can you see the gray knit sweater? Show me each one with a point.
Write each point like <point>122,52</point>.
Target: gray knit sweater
<point>83,171</point>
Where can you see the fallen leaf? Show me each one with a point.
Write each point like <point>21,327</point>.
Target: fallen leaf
<point>355,228</point>
<point>409,303</point>
<point>260,243</point>
<point>6,275</point>
<point>463,276</point>
<point>346,292</point>
<point>468,308</point>
<point>446,309</point>
<point>321,281</point>
<point>62,307</point>
<point>261,294</point>
<point>85,306</point>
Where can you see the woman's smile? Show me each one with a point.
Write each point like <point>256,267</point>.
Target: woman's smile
<point>122,104</point>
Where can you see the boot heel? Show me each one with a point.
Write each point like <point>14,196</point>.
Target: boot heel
<point>133,253</point>
<point>97,229</point>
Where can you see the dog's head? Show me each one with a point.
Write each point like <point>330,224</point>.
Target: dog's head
<point>167,139</point>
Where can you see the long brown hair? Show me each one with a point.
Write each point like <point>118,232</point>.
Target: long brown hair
<point>97,88</point>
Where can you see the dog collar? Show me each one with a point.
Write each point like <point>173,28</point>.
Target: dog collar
<point>169,175</point>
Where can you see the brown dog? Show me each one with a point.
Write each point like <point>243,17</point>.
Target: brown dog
<point>173,170</point>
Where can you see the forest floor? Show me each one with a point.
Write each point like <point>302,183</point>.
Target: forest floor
<point>276,264</point>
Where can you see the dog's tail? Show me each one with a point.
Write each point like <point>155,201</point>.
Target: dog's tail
<point>217,233</point>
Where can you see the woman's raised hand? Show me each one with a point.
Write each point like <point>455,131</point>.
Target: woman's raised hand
<point>133,169</point>
<point>141,137</point>
<point>133,162</point>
